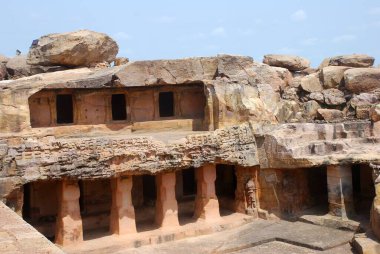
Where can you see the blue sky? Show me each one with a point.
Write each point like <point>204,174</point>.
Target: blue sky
<point>166,29</point>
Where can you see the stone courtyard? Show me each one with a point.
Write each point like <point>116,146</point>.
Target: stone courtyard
<point>220,154</point>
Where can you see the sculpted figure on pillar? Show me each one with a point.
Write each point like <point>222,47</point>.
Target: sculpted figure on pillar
<point>251,189</point>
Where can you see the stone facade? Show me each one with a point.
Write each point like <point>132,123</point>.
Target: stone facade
<point>121,144</point>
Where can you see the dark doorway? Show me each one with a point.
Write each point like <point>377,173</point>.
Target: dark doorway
<point>363,191</point>
<point>26,208</point>
<point>166,104</point>
<point>95,204</point>
<point>225,186</point>
<point>64,107</point>
<point>119,107</point>
<point>317,187</point>
<point>145,204</point>
<point>186,187</point>
<point>40,207</point>
<point>189,183</point>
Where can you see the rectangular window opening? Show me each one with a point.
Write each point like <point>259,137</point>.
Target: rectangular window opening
<point>119,110</point>
<point>65,111</point>
<point>166,104</point>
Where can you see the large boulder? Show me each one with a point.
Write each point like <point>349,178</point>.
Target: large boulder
<point>355,60</point>
<point>333,76</point>
<point>292,63</point>
<point>362,80</point>
<point>80,48</point>
<point>277,77</point>
<point>311,83</point>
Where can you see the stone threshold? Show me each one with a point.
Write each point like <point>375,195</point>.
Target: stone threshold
<point>112,243</point>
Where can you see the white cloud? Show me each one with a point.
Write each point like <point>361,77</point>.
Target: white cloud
<point>374,11</point>
<point>218,31</point>
<point>299,15</point>
<point>344,38</point>
<point>122,36</point>
<point>309,41</point>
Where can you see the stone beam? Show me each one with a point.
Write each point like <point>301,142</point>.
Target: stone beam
<point>206,201</point>
<point>69,229</point>
<point>122,219</point>
<point>166,204</point>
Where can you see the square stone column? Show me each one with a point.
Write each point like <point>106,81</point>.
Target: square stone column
<point>206,201</point>
<point>122,219</point>
<point>340,195</point>
<point>246,198</point>
<point>166,203</point>
<point>69,229</point>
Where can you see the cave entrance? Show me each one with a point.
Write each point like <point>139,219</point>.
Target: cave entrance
<point>144,195</point>
<point>317,189</point>
<point>95,206</point>
<point>40,207</point>
<point>119,107</point>
<point>64,108</point>
<point>166,104</point>
<point>363,190</point>
<point>186,190</point>
<point>225,186</point>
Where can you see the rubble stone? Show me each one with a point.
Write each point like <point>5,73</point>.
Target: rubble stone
<point>330,115</point>
<point>311,83</point>
<point>333,96</point>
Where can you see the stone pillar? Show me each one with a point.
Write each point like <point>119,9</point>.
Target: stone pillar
<point>122,219</point>
<point>246,198</point>
<point>339,183</point>
<point>206,202</point>
<point>166,204</point>
<point>69,228</point>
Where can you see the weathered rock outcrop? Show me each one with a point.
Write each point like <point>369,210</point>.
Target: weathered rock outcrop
<point>80,48</point>
<point>292,63</point>
<point>362,80</point>
<point>355,60</point>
